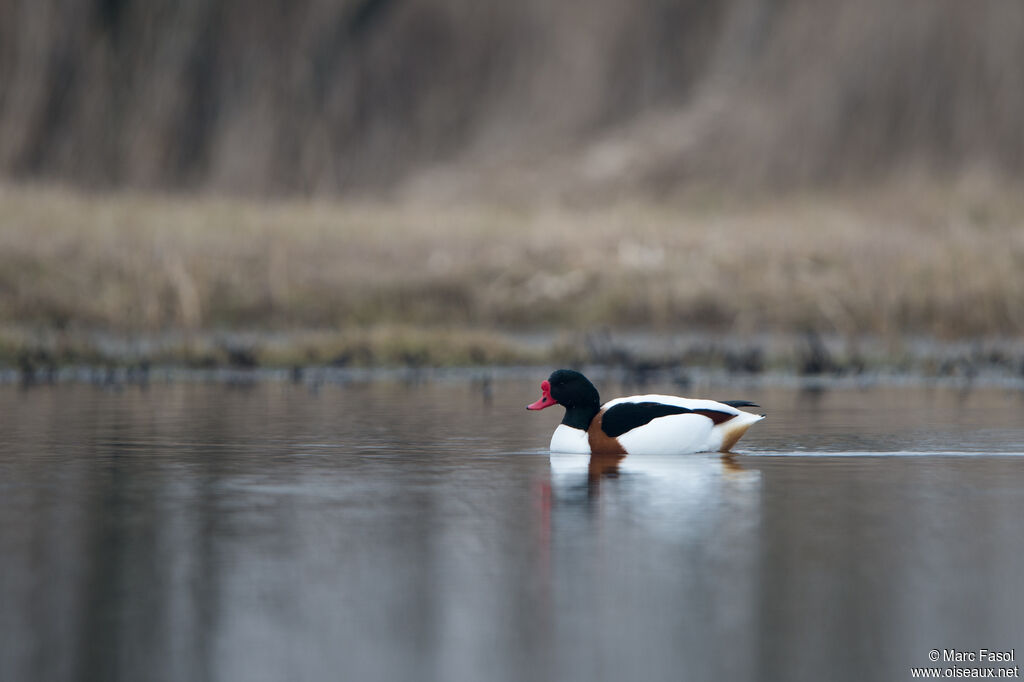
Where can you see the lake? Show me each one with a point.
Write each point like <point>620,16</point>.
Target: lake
<point>418,530</point>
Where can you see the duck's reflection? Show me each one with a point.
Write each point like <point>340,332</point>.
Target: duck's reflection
<point>607,466</point>
<point>602,466</point>
<point>670,496</point>
<point>658,476</point>
<point>671,535</point>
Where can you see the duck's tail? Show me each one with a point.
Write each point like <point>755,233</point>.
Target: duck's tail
<point>734,429</point>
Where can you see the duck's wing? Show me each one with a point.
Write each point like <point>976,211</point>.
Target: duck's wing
<point>625,414</point>
<point>668,425</point>
<point>624,417</point>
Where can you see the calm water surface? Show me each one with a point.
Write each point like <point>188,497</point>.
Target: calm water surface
<point>387,531</point>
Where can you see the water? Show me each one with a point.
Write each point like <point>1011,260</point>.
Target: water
<point>389,531</point>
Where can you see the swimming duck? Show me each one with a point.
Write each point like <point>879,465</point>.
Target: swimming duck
<point>647,424</point>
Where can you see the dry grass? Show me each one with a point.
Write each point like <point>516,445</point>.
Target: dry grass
<point>938,261</point>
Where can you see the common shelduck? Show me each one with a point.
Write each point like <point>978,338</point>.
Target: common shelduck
<point>639,424</point>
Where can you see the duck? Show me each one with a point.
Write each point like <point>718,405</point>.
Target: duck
<point>640,424</point>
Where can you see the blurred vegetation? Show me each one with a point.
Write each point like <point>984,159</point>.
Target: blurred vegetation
<point>432,181</point>
<point>939,262</point>
<point>579,97</point>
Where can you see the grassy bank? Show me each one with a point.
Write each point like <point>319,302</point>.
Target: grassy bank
<point>423,284</point>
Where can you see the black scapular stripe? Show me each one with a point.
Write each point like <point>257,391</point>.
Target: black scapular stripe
<point>624,417</point>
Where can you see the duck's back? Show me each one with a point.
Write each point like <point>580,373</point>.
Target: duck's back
<point>662,424</point>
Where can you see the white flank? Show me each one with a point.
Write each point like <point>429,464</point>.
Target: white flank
<point>675,434</point>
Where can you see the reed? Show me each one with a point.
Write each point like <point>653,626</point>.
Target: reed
<point>312,96</point>
<point>939,261</point>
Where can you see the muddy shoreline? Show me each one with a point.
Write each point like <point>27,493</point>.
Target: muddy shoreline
<point>686,360</point>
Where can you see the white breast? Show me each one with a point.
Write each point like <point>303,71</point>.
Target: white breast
<point>569,440</point>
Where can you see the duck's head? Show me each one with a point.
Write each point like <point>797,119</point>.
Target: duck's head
<point>568,388</point>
